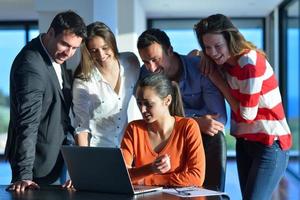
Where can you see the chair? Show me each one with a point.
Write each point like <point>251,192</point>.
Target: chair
<point>216,157</point>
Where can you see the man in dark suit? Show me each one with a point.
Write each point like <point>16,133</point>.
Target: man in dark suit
<point>40,101</point>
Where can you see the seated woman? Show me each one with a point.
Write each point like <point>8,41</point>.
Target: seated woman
<point>163,148</point>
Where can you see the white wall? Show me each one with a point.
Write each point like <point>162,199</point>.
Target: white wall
<point>126,18</point>
<point>132,22</point>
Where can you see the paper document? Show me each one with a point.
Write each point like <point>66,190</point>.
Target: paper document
<point>192,192</point>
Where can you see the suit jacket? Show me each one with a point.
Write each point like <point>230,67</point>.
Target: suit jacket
<point>39,116</point>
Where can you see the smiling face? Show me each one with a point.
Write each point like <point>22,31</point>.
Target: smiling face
<point>152,107</point>
<point>62,46</point>
<point>100,50</point>
<point>216,48</point>
<point>155,58</point>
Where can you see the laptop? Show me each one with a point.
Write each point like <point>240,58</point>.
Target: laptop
<point>100,169</point>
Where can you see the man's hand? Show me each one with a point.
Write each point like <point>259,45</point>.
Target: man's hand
<point>209,125</point>
<point>20,186</point>
<point>195,52</point>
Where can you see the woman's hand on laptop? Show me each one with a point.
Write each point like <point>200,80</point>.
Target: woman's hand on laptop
<point>161,164</point>
<point>68,185</point>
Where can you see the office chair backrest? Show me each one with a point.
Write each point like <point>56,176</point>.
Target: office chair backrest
<point>216,157</point>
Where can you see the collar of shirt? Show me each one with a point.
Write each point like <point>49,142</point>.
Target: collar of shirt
<point>57,67</point>
<point>99,77</point>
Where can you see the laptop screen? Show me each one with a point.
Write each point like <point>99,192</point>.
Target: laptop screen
<point>100,169</point>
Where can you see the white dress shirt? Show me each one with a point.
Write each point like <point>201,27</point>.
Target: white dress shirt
<point>102,112</point>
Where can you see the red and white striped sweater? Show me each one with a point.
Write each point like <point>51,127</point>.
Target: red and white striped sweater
<point>260,116</point>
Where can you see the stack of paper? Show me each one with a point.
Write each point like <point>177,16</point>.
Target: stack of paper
<point>192,192</point>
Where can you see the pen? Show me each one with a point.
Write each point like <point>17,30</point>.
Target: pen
<point>184,192</point>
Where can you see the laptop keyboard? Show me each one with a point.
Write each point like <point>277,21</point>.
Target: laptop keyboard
<point>139,187</point>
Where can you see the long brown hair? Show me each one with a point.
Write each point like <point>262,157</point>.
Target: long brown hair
<point>86,65</point>
<point>220,24</point>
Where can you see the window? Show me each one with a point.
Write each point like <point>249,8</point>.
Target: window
<point>14,36</point>
<point>290,74</point>
<point>183,38</point>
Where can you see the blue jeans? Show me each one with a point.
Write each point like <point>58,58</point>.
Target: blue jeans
<point>260,168</point>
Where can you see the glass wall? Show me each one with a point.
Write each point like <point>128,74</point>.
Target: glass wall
<point>13,36</point>
<point>290,74</point>
<point>183,40</point>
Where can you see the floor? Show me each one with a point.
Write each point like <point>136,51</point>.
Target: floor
<point>289,187</point>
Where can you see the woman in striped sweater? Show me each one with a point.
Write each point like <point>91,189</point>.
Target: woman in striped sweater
<point>248,83</point>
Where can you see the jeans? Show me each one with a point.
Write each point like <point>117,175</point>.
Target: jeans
<point>260,168</point>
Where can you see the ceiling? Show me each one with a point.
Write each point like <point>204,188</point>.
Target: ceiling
<point>24,9</point>
<point>202,8</point>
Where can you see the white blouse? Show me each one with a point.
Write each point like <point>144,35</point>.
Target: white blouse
<point>99,110</point>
